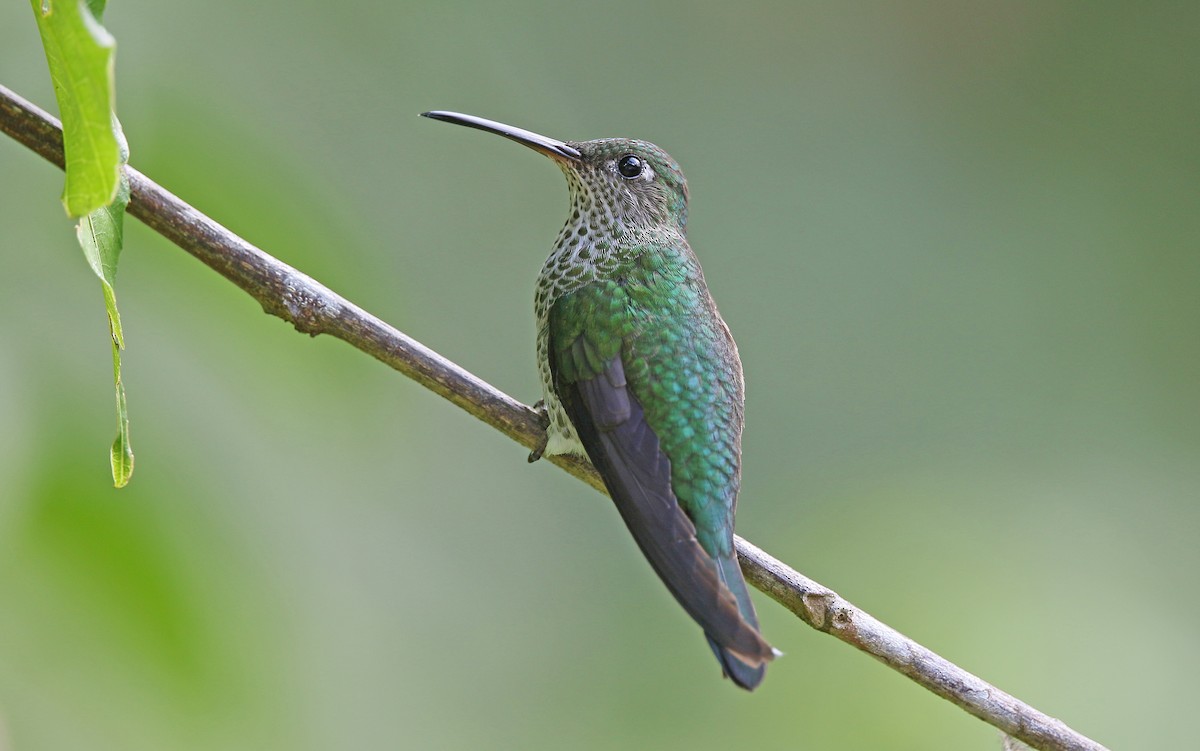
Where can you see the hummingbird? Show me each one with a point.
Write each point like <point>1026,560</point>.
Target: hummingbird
<point>641,375</point>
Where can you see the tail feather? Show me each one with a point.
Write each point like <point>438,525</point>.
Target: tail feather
<point>744,675</point>
<point>735,670</point>
<point>627,453</point>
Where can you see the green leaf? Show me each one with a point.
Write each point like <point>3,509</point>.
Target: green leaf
<point>100,235</point>
<point>121,453</point>
<point>80,53</point>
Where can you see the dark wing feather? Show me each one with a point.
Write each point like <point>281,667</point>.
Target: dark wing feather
<point>625,450</point>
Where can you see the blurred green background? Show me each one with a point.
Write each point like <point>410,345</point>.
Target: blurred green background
<point>957,244</point>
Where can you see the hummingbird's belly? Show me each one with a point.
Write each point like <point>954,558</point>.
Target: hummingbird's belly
<point>562,440</point>
<point>560,434</point>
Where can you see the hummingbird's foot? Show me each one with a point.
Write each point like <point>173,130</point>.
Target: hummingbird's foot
<point>544,419</point>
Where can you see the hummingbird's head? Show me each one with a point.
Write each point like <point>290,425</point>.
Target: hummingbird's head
<point>634,183</point>
<point>617,184</point>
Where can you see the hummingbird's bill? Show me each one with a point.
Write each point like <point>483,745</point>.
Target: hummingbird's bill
<point>551,147</point>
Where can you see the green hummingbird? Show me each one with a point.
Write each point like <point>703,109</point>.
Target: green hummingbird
<point>640,374</point>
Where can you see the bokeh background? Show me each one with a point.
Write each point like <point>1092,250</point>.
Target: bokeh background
<point>958,243</point>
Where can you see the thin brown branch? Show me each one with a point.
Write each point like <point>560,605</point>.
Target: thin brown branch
<point>315,309</point>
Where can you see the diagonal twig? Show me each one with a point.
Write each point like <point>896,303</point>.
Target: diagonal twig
<point>315,309</point>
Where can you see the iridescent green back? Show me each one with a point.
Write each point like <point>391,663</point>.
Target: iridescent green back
<point>682,367</point>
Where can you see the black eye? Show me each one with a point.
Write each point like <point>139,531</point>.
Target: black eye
<point>629,166</point>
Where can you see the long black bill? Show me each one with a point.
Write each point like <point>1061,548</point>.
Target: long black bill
<point>549,146</point>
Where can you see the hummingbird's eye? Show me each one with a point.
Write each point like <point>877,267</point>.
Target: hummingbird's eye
<point>629,166</point>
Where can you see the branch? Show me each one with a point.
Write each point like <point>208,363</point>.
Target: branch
<point>315,309</point>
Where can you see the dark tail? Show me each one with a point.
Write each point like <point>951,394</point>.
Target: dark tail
<point>626,451</point>
<point>740,673</point>
<point>737,671</point>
